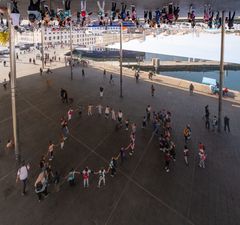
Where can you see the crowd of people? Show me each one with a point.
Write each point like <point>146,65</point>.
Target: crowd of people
<point>39,11</point>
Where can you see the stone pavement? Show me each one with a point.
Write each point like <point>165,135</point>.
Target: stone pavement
<point>142,192</point>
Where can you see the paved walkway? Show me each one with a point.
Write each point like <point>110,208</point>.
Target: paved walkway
<point>142,192</point>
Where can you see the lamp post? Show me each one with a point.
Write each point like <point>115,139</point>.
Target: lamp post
<point>13,82</point>
<point>121,58</point>
<point>221,74</point>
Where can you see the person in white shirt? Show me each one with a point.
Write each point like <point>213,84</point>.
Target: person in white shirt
<point>22,175</point>
<point>107,112</point>
<point>99,108</point>
<point>102,172</point>
<point>113,114</point>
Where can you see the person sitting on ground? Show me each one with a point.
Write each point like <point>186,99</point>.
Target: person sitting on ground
<point>225,91</point>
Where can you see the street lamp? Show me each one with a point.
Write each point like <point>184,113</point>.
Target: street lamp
<point>13,81</point>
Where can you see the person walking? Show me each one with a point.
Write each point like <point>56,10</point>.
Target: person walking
<point>152,90</point>
<point>191,89</point>
<point>101,91</point>
<point>86,173</point>
<point>111,79</point>
<point>101,173</point>
<point>186,154</point>
<point>226,124</point>
<point>22,175</point>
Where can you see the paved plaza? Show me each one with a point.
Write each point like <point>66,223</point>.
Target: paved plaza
<point>142,193</point>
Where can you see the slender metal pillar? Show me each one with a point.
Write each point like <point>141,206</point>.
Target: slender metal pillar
<point>13,83</point>
<point>221,74</point>
<point>71,50</point>
<point>42,40</point>
<point>120,60</point>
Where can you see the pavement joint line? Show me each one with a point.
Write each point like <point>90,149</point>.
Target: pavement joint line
<point>93,151</point>
<point>19,113</point>
<point>130,179</point>
<point>192,182</point>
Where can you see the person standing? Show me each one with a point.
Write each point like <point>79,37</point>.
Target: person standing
<point>71,177</point>
<point>113,166</point>
<point>148,111</point>
<point>90,110</point>
<point>191,89</point>
<point>41,71</point>
<point>70,113</point>
<point>107,112</point>
<point>62,142</point>
<point>187,133</point>
<point>104,74</point>
<point>167,158</point>
<point>202,157</point>
<point>101,91</point>
<point>144,122</point>
<point>226,124</point>
<point>134,128</point>
<point>5,84</point>
<point>99,109</point>
<point>83,73</point>
<point>131,146</point>
<point>152,90</point>
<point>127,124</point>
<point>86,173</point>
<point>122,154</point>
<point>22,175</point>
<point>113,114</point>
<point>120,116</point>
<point>186,154</point>
<point>50,150</point>
<point>101,173</point>
<point>41,185</point>
<point>214,123</point>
